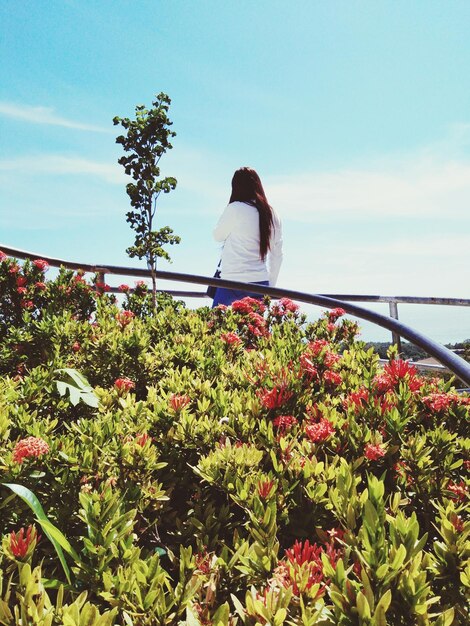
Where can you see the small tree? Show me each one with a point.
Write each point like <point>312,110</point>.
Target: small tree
<point>146,140</point>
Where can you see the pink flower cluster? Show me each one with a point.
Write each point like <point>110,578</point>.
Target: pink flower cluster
<point>142,439</point>
<point>332,378</point>
<point>356,399</point>
<point>232,339</point>
<point>179,401</point>
<point>247,305</point>
<point>31,447</point>
<point>335,314</point>
<point>41,264</point>
<point>252,318</point>
<point>458,490</point>
<point>276,397</point>
<point>374,451</point>
<point>257,324</point>
<point>319,431</point>
<point>396,371</point>
<point>124,384</point>
<point>307,367</point>
<point>302,566</point>
<point>124,318</point>
<point>283,307</point>
<point>285,422</point>
<point>439,402</point>
<point>266,489</point>
<point>102,287</point>
<point>20,542</point>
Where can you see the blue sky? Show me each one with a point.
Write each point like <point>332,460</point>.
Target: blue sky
<point>356,114</point>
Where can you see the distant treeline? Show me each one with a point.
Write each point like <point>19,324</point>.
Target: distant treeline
<point>409,351</point>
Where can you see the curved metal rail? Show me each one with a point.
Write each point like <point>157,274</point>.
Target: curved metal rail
<point>443,355</point>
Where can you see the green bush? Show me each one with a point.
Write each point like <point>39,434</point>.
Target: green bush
<point>220,466</point>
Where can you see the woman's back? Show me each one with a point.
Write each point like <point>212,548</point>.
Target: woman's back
<point>239,228</point>
<point>252,236</point>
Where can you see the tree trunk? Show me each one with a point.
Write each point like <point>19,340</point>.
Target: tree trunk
<point>154,289</point>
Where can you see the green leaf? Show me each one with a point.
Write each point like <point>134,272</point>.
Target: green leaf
<point>77,386</point>
<point>382,607</point>
<point>31,500</point>
<point>221,616</point>
<point>61,539</point>
<point>363,607</point>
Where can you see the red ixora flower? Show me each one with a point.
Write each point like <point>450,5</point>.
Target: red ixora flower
<point>265,488</point>
<point>383,383</point>
<point>288,305</point>
<point>21,281</point>
<point>374,451</point>
<point>76,346</point>
<point>357,398</point>
<point>124,384</point>
<point>398,370</point>
<point>230,338</point>
<point>203,562</point>
<point>3,256</point>
<point>438,402</point>
<point>124,318</point>
<point>457,522</point>
<point>319,431</point>
<point>276,397</point>
<point>19,543</point>
<point>332,378</point>
<point>302,566</point>
<point>102,286</point>
<point>284,306</point>
<point>285,422</point>
<point>179,401</point>
<point>307,367</point>
<point>330,359</point>
<point>248,305</point>
<point>31,447</point>
<point>334,314</point>
<point>41,264</point>
<point>458,490</point>
<point>142,439</point>
<point>315,347</point>
<point>40,285</point>
<point>124,288</point>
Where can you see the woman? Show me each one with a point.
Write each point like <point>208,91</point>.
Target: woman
<point>252,236</point>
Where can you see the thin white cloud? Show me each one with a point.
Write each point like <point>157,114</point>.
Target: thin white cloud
<point>416,188</point>
<point>411,264</point>
<point>63,165</point>
<point>44,115</point>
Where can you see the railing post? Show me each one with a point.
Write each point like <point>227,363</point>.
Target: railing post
<point>100,280</point>
<point>396,339</point>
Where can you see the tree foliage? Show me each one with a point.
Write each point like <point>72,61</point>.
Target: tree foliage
<point>146,140</point>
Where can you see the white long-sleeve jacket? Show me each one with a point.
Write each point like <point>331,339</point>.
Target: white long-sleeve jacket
<point>238,228</point>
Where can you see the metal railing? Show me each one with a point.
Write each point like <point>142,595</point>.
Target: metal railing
<point>443,355</point>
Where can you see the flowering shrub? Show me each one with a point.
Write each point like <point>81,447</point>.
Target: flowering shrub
<point>21,545</point>
<point>236,465</point>
<point>29,448</point>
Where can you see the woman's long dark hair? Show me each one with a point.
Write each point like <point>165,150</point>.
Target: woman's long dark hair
<point>247,187</point>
